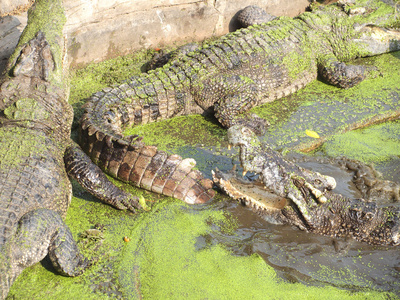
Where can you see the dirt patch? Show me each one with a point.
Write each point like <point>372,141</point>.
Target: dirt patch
<point>18,10</point>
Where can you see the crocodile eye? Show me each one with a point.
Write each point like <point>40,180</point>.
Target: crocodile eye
<point>317,181</point>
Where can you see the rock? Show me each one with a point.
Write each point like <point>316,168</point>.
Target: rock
<point>11,28</point>
<point>13,7</point>
<point>102,29</point>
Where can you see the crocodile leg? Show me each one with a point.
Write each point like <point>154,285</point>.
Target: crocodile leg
<point>231,105</point>
<point>89,176</point>
<point>41,232</point>
<point>240,97</point>
<point>339,74</point>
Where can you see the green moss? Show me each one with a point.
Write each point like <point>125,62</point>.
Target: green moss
<point>94,77</point>
<point>16,151</point>
<point>48,286</point>
<point>374,144</point>
<point>171,260</point>
<point>26,108</point>
<point>46,16</point>
<point>181,131</point>
<point>297,63</point>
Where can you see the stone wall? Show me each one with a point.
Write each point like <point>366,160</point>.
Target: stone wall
<point>101,29</point>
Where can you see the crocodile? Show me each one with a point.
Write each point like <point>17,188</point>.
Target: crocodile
<point>37,155</point>
<point>250,15</point>
<point>285,193</point>
<point>227,77</point>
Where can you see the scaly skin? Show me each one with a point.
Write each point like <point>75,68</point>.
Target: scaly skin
<point>229,76</point>
<point>36,152</point>
<point>336,216</point>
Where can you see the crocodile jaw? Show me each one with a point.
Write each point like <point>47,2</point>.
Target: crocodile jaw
<point>252,194</point>
<point>377,40</point>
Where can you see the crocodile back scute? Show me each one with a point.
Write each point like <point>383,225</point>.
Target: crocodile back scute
<point>32,176</point>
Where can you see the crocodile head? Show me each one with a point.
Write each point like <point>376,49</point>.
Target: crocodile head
<point>376,26</point>
<point>262,160</point>
<point>368,27</point>
<point>252,194</point>
<point>273,195</point>
<point>276,175</point>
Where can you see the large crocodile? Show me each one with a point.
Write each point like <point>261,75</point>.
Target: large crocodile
<point>286,193</point>
<point>36,153</point>
<point>229,76</point>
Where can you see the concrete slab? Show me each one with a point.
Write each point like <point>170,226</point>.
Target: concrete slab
<point>102,29</point>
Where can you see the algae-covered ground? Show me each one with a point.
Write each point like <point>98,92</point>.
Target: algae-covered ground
<point>178,251</point>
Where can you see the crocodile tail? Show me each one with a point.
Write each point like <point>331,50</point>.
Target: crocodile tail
<point>130,160</point>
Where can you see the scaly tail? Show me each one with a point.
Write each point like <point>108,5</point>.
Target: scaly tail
<point>130,160</point>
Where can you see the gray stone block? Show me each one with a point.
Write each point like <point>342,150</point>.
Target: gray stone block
<point>102,29</point>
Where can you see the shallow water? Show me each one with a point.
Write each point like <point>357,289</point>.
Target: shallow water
<point>313,259</point>
<point>298,256</point>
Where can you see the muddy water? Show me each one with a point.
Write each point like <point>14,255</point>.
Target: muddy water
<point>390,170</point>
<point>298,256</point>
<point>313,259</point>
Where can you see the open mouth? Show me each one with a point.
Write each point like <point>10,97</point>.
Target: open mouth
<point>378,40</point>
<point>250,193</point>
<point>382,33</point>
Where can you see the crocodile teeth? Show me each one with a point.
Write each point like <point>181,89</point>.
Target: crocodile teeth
<point>317,193</point>
<point>322,199</point>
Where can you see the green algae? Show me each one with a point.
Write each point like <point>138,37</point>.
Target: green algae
<point>328,110</point>
<point>37,282</point>
<point>14,152</point>
<point>26,108</point>
<point>48,17</point>
<point>196,129</point>
<point>165,257</point>
<point>168,261</point>
<point>373,144</point>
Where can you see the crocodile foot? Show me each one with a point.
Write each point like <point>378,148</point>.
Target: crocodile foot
<point>342,75</point>
<point>253,15</point>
